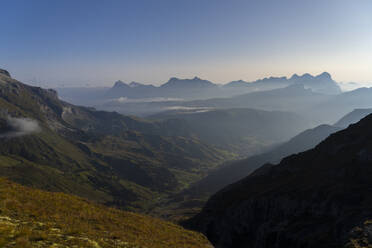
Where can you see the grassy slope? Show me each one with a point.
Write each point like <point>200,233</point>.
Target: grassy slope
<point>34,218</point>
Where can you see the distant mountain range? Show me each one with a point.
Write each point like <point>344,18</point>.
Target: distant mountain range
<point>322,83</point>
<point>180,88</point>
<point>295,98</point>
<point>318,96</point>
<point>319,108</point>
<point>196,88</point>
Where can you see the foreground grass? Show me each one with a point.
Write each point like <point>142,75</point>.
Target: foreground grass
<point>35,218</point>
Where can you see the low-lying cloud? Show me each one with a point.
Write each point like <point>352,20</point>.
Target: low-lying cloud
<point>143,100</point>
<point>20,127</point>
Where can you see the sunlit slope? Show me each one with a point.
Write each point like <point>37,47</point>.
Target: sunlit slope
<point>35,218</point>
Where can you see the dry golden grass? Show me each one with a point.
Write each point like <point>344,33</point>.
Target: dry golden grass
<point>35,218</point>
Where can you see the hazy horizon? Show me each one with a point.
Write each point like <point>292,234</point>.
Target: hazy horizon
<point>76,43</point>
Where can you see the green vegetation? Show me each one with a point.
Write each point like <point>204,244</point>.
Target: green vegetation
<point>35,218</point>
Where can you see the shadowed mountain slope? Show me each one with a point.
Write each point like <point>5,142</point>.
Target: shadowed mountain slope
<point>318,198</point>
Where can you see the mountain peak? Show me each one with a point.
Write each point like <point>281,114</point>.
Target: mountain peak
<point>307,76</point>
<point>173,79</point>
<point>5,72</point>
<point>237,83</point>
<point>322,83</point>
<point>119,83</point>
<point>194,82</point>
<point>295,77</point>
<point>325,75</point>
<point>135,84</point>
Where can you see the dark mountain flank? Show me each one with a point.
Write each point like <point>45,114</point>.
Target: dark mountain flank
<point>318,198</point>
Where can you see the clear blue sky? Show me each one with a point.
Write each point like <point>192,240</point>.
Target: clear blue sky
<point>79,42</point>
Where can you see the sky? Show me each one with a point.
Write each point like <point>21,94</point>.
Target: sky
<point>96,42</point>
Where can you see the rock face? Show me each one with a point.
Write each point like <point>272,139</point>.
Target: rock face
<point>318,198</point>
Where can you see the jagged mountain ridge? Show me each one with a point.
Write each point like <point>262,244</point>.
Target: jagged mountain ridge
<point>196,82</point>
<point>318,198</point>
<point>322,83</point>
<point>199,88</point>
<point>323,108</point>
